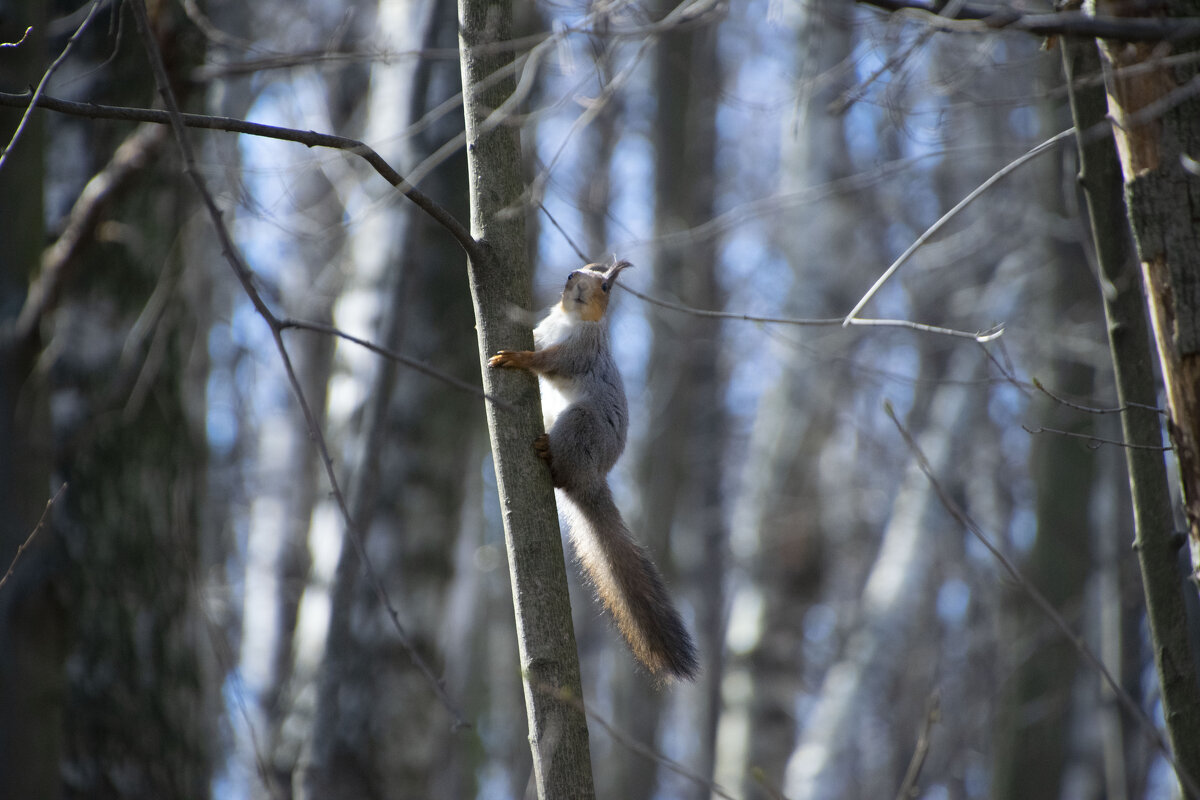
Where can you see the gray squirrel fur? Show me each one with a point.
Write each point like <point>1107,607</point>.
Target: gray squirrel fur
<point>587,421</point>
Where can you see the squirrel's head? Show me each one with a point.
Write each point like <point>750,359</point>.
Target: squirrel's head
<point>588,289</point>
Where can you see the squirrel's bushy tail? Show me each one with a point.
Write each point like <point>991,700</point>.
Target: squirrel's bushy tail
<point>629,584</point>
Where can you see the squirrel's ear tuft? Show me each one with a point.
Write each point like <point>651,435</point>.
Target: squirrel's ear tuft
<point>612,272</point>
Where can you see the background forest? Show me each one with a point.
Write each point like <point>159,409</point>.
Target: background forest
<point>879,533</point>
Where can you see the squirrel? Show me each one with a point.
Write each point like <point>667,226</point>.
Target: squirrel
<point>587,420</point>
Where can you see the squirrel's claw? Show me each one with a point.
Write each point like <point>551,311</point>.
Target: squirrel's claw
<point>520,359</point>
<point>504,358</point>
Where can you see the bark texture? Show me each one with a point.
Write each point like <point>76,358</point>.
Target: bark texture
<point>500,284</point>
<point>1156,120</point>
<point>1103,162</point>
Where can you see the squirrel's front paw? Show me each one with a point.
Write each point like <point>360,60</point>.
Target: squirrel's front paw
<point>505,358</point>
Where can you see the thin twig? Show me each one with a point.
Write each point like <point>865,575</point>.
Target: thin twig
<point>244,276</point>
<point>975,193</point>
<point>1014,573</point>
<point>1094,442</point>
<point>933,714</point>
<point>1090,409</point>
<point>1142,115</point>
<point>46,79</point>
<point>977,336</point>
<point>596,105</point>
<point>41,523</point>
<point>565,235</point>
<point>848,98</point>
<point>18,42</point>
<point>980,336</point>
<point>408,361</point>
<point>1006,371</point>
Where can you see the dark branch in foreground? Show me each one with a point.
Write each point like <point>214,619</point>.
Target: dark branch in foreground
<point>307,138</point>
<point>1064,23</point>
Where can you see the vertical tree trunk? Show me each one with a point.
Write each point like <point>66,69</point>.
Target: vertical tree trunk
<point>31,620</point>
<point>132,350</point>
<point>500,282</point>
<point>1157,546</point>
<point>1157,126</point>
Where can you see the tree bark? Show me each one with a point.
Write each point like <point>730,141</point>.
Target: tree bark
<point>1158,548</point>
<point>1156,124</point>
<point>500,284</point>
<point>31,618</point>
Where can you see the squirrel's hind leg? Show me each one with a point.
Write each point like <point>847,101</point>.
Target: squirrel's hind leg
<point>542,445</point>
<point>577,449</point>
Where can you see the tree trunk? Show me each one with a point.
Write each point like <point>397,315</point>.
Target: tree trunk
<point>1156,123</point>
<point>1157,546</point>
<point>500,282</point>
<point>31,618</point>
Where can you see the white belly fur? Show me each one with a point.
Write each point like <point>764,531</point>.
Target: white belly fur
<point>556,396</point>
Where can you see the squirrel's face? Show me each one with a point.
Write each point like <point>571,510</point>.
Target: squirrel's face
<point>588,289</point>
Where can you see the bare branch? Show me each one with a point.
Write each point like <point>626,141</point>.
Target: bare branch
<point>46,78</point>
<point>178,124</point>
<point>1014,573</point>
<point>978,336</point>
<point>975,193</point>
<point>1091,409</point>
<point>1094,442</point>
<point>18,42</point>
<point>418,365</point>
<point>308,138</point>
<point>1064,23</point>
<point>981,337</point>
<point>41,523</point>
<point>933,714</point>
<point>583,258</point>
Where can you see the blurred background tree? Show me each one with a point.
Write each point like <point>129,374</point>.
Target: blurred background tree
<point>191,618</point>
